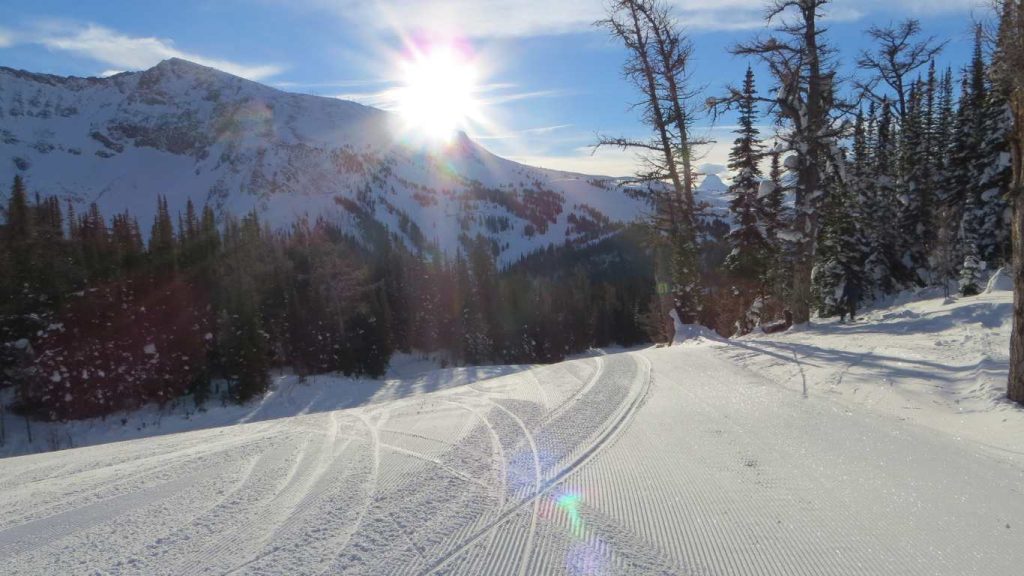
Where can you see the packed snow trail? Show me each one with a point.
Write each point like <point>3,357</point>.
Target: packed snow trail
<point>673,461</point>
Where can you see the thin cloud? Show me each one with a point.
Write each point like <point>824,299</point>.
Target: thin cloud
<point>518,18</point>
<point>6,38</point>
<point>386,99</point>
<point>604,162</point>
<point>580,156</point>
<point>515,97</point>
<point>124,52</point>
<point>336,84</point>
<point>543,130</point>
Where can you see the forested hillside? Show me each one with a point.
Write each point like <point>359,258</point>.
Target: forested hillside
<point>96,319</point>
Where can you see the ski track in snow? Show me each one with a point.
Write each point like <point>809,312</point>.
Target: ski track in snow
<point>663,462</point>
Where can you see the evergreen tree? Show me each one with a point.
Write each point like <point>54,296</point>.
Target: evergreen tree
<point>914,190</point>
<point>161,239</point>
<point>989,176</point>
<point>973,265</point>
<point>943,259</point>
<point>879,206</point>
<point>837,269</point>
<point>127,241</point>
<point>19,234</point>
<point>750,246</point>
<point>242,346</point>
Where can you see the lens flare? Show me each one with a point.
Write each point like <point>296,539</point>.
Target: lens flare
<point>439,91</point>
<point>569,503</point>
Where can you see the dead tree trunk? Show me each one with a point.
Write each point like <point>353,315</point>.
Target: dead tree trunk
<point>1009,76</point>
<point>798,59</point>
<point>657,66</point>
<point>809,171</point>
<point>1015,387</point>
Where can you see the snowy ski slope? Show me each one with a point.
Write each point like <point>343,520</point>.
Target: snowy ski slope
<point>702,459</point>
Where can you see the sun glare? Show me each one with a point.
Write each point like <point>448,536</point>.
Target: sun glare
<point>438,96</point>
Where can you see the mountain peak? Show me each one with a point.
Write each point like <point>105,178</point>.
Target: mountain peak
<point>712,183</point>
<point>191,132</point>
<point>185,69</point>
<point>180,64</point>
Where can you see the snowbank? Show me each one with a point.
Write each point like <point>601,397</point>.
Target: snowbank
<point>938,362</point>
<point>691,333</point>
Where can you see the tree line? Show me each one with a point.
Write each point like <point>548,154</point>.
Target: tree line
<point>897,179</point>
<point>94,319</point>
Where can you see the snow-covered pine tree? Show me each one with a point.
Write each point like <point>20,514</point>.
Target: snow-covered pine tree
<point>772,194</point>
<point>915,234</point>
<point>972,266</point>
<point>987,176</point>
<point>774,198</point>
<point>943,258</point>
<point>749,255</point>
<point>879,206</point>
<point>837,265</point>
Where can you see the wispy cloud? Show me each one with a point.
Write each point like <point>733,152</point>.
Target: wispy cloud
<point>516,134</point>
<point>516,18</point>
<point>386,99</point>
<point>584,160</point>
<point>574,151</point>
<point>517,96</point>
<point>124,52</point>
<point>330,84</point>
<point>6,38</point>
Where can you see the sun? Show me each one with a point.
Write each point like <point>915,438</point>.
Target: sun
<point>439,92</point>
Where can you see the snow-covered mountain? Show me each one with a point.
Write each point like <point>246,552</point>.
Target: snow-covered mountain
<point>191,132</point>
<point>713,194</point>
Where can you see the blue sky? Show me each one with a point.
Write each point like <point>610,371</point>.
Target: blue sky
<point>550,80</point>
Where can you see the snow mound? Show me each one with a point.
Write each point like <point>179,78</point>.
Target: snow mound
<point>999,282</point>
<point>691,333</point>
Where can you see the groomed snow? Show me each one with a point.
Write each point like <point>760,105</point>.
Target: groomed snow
<point>706,458</point>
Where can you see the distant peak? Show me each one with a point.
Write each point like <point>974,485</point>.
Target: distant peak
<point>179,64</point>
<point>712,183</point>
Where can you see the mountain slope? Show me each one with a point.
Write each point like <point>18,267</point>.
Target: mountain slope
<point>192,132</point>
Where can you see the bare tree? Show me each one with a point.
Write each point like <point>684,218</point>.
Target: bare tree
<point>899,54</point>
<point>803,68</point>
<point>1008,72</point>
<point>674,51</point>
<point>659,56</point>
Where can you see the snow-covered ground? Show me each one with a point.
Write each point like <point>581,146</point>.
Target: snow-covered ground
<point>939,363</point>
<point>706,458</point>
<point>409,375</point>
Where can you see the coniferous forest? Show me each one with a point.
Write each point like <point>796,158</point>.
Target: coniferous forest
<point>103,316</point>
<point>854,192</point>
